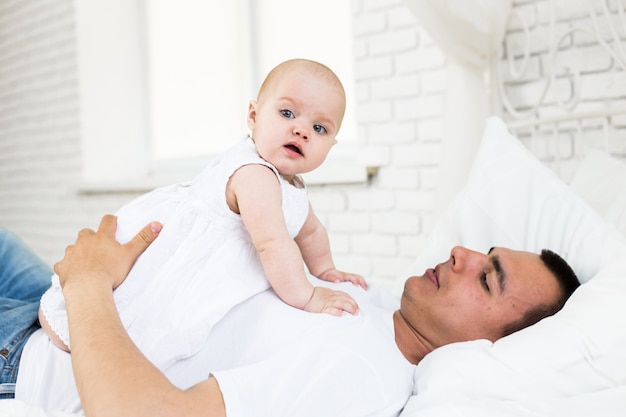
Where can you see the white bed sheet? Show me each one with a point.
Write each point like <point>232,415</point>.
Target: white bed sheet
<point>17,408</point>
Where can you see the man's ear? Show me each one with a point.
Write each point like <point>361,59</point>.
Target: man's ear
<point>252,114</point>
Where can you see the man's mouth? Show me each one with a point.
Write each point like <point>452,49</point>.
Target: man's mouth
<point>433,275</point>
<point>294,148</point>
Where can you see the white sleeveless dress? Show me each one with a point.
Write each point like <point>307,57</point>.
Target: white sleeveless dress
<point>202,264</point>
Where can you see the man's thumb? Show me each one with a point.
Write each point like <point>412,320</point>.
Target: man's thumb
<point>145,237</point>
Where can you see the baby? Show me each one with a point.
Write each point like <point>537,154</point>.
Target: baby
<point>244,223</point>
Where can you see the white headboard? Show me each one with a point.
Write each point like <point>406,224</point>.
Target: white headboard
<point>560,82</point>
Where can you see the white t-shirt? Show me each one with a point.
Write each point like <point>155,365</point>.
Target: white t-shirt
<point>271,360</point>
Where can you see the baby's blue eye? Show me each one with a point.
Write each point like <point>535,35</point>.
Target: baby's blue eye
<point>319,129</point>
<point>287,113</point>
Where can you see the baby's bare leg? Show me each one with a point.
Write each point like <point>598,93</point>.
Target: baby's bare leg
<point>54,338</point>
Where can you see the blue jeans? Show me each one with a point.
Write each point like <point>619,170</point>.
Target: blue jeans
<point>23,279</point>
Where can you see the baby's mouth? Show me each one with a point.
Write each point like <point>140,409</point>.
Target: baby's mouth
<point>294,148</point>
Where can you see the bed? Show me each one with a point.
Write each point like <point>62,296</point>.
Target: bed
<point>549,172</point>
<point>573,363</point>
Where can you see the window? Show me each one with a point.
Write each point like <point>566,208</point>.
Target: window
<point>208,59</point>
<point>171,84</point>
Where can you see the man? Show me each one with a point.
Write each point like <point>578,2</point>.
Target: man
<point>470,296</point>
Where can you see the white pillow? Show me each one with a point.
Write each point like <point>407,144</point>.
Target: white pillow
<point>601,181</point>
<point>512,200</point>
<point>571,364</point>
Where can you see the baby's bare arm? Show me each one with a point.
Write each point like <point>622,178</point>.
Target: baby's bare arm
<point>315,247</point>
<point>254,192</point>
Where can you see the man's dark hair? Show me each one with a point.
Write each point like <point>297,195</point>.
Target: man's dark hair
<point>568,282</point>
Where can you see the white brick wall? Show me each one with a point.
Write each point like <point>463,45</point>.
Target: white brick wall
<point>400,78</point>
<point>40,157</point>
<point>602,79</point>
<point>375,228</point>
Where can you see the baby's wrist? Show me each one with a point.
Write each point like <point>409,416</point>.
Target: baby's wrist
<point>306,305</point>
<point>324,274</point>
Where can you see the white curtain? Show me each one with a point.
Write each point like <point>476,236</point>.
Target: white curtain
<point>469,32</point>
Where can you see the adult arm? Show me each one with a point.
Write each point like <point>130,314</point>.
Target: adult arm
<point>113,377</point>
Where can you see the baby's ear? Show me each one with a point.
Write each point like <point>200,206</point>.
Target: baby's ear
<point>252,114</point>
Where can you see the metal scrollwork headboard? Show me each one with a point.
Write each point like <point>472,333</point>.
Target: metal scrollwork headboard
<point>560,81</point>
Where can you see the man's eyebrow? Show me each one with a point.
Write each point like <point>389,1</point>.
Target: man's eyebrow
<point>497,266</point>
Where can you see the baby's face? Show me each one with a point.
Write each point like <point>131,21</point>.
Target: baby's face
<point>295,122</point>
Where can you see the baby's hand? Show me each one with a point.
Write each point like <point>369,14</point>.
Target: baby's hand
<point>336,303</point>
<point>334,275</point>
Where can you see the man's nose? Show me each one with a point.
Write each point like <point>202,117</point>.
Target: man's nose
<point>463,259</point>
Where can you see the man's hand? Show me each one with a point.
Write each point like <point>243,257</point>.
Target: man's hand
<point>98,257</point>
<point>112,376</point>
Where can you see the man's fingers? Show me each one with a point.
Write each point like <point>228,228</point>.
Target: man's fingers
<point>108,224</point>
<point>144,238</point>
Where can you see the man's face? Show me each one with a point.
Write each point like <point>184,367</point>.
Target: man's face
<point>472,295</point>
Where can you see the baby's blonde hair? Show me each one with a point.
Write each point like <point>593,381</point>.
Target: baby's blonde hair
<point>313,67</point>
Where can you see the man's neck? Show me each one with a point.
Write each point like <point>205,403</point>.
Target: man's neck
<point>409,341</point>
